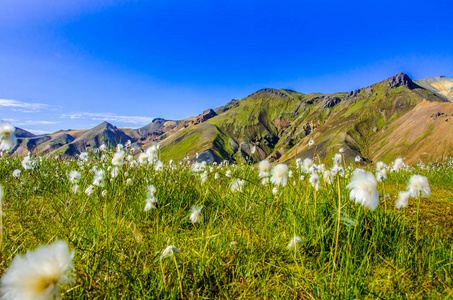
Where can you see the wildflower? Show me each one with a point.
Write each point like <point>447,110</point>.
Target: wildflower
<point>118,158</point>
<point>380,166</point>
<point>314,181</point>
<point>204,177</point>
<point>98,180</point>
<point>102,147</point>
<point>228,173</point>
<point>129,181</point>
<point>75,189</point>
<point>397,164</point>
<point>264,167</point>
<point>418,186</point>
<point>83,156</point>
<point>341,150</point>
<point>236,185</point>
<point>115,172</point>
<point>152,154</point>
<point>403,199</point>
<point>7,136</point>
<point>363,189</point>
<point>328,177</point>
<point>321,168</point>
<point>151,191</point>
<point>279,173</point>
<point>381,175</point>
<point>74,176</point>
<point>89,190</point>
<point>170,251</point>
<point>358,158</point>
<point>337,159</point>
<point>104,193</point>
<point>275,190</point>
<point>159,166</point>
<point>151,203</point>
<point>302,177</point>
<point>298,162</point>
<point>216,176</point>
<point>336,169</point>
<point>27,163</point>
<point>294,243</point>
<point>306,165</point>
<point>119,147</point>
<point>37,274</point>
<point>196,215</point>
<point>311,142</point>
<point>143,158</point>
<point>16,173</point>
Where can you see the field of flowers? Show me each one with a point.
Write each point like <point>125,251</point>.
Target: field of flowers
<point>124,227</point>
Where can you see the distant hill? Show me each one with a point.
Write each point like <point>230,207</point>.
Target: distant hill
<point>392,118</point>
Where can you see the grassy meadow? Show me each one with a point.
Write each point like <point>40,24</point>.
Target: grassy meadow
<point>244,247</point>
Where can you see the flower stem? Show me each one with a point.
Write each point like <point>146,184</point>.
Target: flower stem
<point>338,231</point>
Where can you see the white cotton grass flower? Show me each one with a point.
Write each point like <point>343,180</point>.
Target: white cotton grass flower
<point>196,216</point>
<point>16,173</point>
<point>170,251</point>
<point>358,159</point>
<point>159,166</point>
<point>216,176</point>
<point>89,190</point>
<point>337,159</point>
<point>398,164</point>
<point>152,154</point>
<point>129,181</point>
<point>98,180</point>
<point>311,142</point>
<point>75,189</point>
<point>143,158</point>
<point>403,199</point>
<point>119,147</point>
<point>104,193</point>
<point>341,150</point>
<point>418,186</point>
<point>306,165</point>
<point>102,147</point>
<point>7,136</point>
<point>264,167</point>
<point>314,181</point>
<point>265,180</point>
<point>37,274</point>
<point>279,175</point>
<point>381,175</point>
<point>74,176</point>
<point>275,190</point>
<point>204,177</point>
<point>228,173</point>
<point>294,243</point>
<point>151,191</point>
<point>328,176</point>
<point>83,156</point>
<point>236,185</point>
<point>118,157</point>
<point>380,166</point>
<point>336,169</point>
<point>27,163</point>
<point>363,188</point>
<point>151,203</point>
<point>115,172</point>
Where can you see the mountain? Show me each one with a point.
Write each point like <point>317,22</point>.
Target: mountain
<point>392,118</point>
<point>441,85</point>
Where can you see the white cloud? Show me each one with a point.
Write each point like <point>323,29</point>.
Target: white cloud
<point>111,117</point>
<point>36,123</point>
<point>36,131</point>
<point>22,106</point>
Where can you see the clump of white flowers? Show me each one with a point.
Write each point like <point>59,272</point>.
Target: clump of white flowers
<point>74,176</point>
<point>7,136</point>
<point>403,199</point>
<point>363,187</point>
<point>418,186</point>
<point>264,167</point>
<point>294,243</point>
<point>196,216</point>
<point>279,175</point>
<point>170,251</point>
<point>37,274</point>
<point>236,185</point>
<point>314,181</point>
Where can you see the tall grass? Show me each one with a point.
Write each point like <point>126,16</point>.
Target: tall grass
<point>240,250</point>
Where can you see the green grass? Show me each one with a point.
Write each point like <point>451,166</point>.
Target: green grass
<point>117,245</point>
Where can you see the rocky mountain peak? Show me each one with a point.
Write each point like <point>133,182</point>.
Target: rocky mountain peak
<point>400,79</point>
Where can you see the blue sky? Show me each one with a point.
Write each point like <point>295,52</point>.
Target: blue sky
<point>73,64</point>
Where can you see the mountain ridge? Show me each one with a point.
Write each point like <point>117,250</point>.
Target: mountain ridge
<point>274,124</point>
